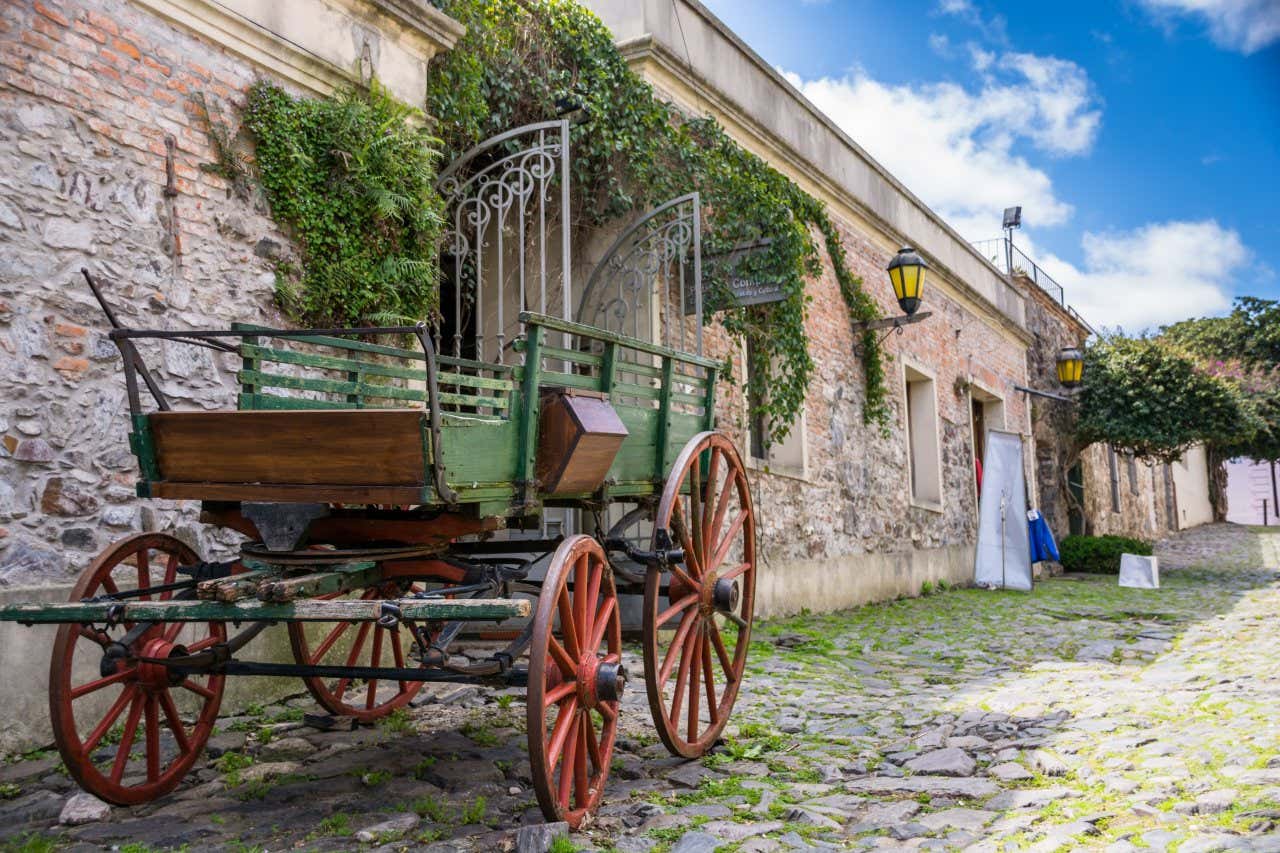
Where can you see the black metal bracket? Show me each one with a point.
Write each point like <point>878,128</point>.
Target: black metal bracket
<point>891,325</point>
<point>659,558</point>
<point>1047,395</point>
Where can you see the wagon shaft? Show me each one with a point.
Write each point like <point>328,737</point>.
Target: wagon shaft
<point>252,611</point>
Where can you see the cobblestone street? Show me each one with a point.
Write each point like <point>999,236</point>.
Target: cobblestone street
<point>1081,716</point>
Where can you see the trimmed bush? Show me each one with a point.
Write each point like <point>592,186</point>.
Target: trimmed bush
<point>1099,555</point>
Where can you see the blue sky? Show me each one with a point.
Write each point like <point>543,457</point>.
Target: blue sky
<point>1141,137</point>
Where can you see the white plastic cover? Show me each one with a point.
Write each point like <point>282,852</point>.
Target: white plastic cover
<point>1004,551</point>
<point>1139,572</point>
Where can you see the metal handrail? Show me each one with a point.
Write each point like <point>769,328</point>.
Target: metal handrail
<point>1011,260</point>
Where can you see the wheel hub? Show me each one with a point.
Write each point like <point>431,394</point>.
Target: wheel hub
<point>599,681</point>
<point>156,676</point>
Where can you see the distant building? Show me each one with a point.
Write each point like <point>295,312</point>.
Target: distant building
<point>1252,492</point>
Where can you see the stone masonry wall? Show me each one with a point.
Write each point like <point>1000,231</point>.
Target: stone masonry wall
<point>90,90</point>
<point>855,497</point>
<point>1143,507</point>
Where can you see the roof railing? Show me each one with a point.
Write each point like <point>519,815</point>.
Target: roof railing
<point>1010,260</point>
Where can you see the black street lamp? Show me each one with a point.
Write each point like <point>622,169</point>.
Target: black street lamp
<point>906,273</point>
<point>1070,367</point>
<point>1070,364</point>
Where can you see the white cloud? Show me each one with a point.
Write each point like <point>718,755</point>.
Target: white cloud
<point>1241,25</point>
<point>1154,275</point>
<point>955,147</point>
<point>940,45</point>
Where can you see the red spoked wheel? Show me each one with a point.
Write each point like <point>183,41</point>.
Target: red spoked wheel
<point>368,644</point>
<point>575,682</point>
<point>697,627</point>
<point>129,731</point>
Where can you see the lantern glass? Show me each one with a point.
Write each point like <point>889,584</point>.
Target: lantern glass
<point>906,274</point>
<point>1070,367</point>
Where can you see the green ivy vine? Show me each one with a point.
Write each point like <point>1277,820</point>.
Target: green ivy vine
<point>353,179</point>
<point>523,61</point>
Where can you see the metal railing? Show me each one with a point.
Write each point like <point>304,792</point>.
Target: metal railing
<point>1010,260</point>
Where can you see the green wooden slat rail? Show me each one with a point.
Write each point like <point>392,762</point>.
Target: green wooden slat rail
<point>555,324</point>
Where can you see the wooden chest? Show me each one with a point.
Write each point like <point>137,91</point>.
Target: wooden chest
<point>579,434</point>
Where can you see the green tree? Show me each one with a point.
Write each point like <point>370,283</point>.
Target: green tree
<point>1149,397</point>
<point>1250,334</point>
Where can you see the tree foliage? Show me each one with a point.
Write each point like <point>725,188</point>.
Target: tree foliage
<point>1150,397</point>
<point>1242,348</point>
<point>353,178</point>
<point>525,60</point>
<point>1250,334</point>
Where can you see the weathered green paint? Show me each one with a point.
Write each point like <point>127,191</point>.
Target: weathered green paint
<point>609,367</point>
<point>535,320</point>
<point>529,401</point>
<point>340,579</point>
<point>144,448</point>
<point>339,610</point>
<point>665,432</point>
<point>709,404</point>
<point>363,390</point>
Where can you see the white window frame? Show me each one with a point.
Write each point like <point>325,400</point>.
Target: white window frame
<point>922,374</point>
<point>771,463</point>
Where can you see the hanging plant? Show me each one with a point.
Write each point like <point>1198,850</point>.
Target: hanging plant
<point>353,179</point>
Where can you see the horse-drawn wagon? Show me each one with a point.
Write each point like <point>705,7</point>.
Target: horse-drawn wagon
<point>389,496</point>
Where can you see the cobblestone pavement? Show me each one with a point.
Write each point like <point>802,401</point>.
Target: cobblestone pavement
<point>1080,716</point>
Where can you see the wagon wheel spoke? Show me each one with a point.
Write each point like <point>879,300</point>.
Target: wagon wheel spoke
<point>153,739</point>
<point>563,662</point>
<point>580,788</point>
<point>695,676</point>
<point>397,653</point>
<point>175,721</point>
<point>126,739</point>
<point>592,605</point>
<point>323,648</point>
<point>722,507</point>
<point>679,574</point>
<point>93,686</point>
<point>566,624</point>
<point>593,744</point>
<point>721,652</point>
<point>677,643</point>
<point>602,623</point>
<point>682,670</point>
<point>708,676</point>
<point>568,755</point>
<point>681,530</point>
<point>679,607</point>
<point>564,722</point>
<point>378,634</point>
<point>142,562</point>
<point>198,689</point>
<point>722,550</point>
<point>125,698</point>
<point>697,513</point>
<point>560,691</point>
<point>352,657</point>
<point>170,575</point>
<point>735,571</point>
<point>713,471</point>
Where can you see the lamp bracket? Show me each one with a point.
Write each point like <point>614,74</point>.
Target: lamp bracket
<point>889,324</point>
<point>1046,394</point>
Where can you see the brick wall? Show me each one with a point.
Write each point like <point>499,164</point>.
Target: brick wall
<point>855,498</point>
<point>89,92</point>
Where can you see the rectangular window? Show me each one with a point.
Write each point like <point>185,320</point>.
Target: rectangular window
<point>1113,466</point>
<point>922,439</point>
<point>782,457</point>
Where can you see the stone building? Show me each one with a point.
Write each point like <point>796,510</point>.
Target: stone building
<point>1096,491</point>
